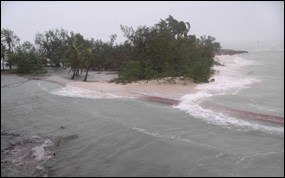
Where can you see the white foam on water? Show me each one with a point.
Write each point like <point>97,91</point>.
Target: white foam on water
<point>72,91</point>
<point>190,104</point>
<point>229,80</point>
<point>40,153</point>
<point>173,137</point>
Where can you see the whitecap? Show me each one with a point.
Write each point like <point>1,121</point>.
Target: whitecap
<point>190,104</point>
<point>72,91</point>
<point>228,81</point>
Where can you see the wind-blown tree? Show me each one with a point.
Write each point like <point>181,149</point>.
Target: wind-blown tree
<point>9,40</point>
<point>106,53</point>
<point>166,50</point>
<point>27,58</point>
<point>187,29</point>
<point>163,50</point>
<point>89,61</point>
<point>89,56</point>
<point>52,45</point>
<point>177,29</point>
<point>98,54</point>
<point>74,53</point>
<point>120,54</point>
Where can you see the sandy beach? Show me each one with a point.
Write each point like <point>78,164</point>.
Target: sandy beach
<point>166,88</point>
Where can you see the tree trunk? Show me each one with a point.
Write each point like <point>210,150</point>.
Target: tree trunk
<point>3,65</point>
<point>73,74</point>
<point>86,73</point>
<point>10,63</point>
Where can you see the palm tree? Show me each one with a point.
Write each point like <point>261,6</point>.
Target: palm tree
<point>89,61</point>
<point>73,54</point>
<point>187,29</point>
<point>8,38</point>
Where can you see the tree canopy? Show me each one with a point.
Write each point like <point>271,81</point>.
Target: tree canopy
<point>165,49</point>
<point>52,45</point>
<point>9,41</point>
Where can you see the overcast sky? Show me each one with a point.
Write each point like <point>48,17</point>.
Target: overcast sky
<point>229,22</point>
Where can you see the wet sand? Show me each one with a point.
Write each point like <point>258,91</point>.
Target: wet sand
<point>161,88</point>
<point>163,91</point>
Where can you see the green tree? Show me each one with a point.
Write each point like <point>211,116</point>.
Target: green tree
<point>9,40</point>
<point>74,53</point>
<point>166,50</point>
<point>27,58</point>
<point>52,45</point>
<point>89,61</point>
<point>89,56</point>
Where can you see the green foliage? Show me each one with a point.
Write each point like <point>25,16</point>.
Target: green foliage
<point>74,53</point>
<point>166,50</point>
<point>27,59</point>
<point>52,45</point>
<point>163,50</point>
<point>132,71</point>
<point>9,40</point>
<point>200,70</point>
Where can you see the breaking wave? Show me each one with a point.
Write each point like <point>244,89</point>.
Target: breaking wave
<point>72,91</point>
<point>228,80</point>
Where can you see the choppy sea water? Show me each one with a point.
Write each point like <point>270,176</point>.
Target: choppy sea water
<point>249,86</point>
<point>47,133</point>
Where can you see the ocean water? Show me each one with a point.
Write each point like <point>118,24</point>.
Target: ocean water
<point>247,84</point>
<point>48,129</point>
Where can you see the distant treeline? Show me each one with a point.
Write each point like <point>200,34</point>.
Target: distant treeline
<point>163,50</point>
